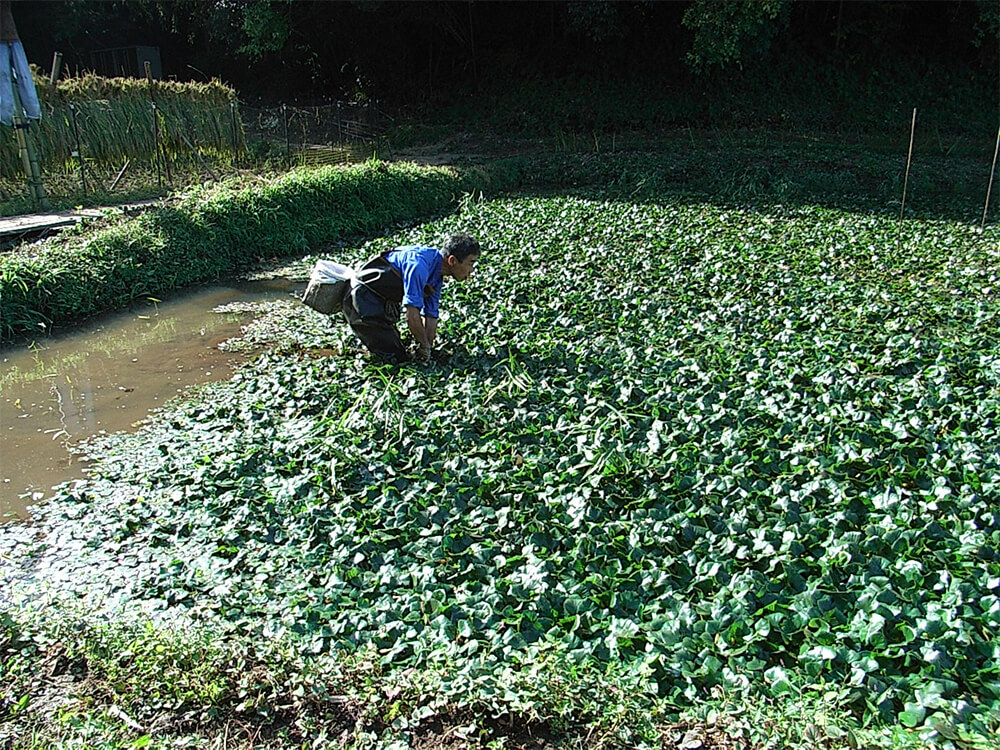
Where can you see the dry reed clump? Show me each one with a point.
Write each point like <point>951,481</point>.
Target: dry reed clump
<point>114,117</point>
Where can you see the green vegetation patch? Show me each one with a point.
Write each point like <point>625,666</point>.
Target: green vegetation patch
<point>208,233</point>
<point>681,456</point>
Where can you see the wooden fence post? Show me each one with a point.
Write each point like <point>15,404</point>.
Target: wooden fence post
<point>56,67</point>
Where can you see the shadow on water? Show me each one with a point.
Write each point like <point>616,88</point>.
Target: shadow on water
<point>106,377</point>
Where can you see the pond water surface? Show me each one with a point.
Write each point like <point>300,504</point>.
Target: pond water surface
<point>107,376</point>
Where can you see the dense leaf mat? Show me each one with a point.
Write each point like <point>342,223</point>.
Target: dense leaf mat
<point>754,450</point>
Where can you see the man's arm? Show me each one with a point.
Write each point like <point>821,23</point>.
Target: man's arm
<point>430,327</point>
<point>420,331</point>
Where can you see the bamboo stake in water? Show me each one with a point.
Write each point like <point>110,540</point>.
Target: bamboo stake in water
<point>906,179</point>
<point>989,187</point>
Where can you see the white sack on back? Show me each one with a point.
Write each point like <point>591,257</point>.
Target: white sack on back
<point>328,284</point>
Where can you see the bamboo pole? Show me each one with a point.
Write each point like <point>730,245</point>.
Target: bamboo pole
<point>29,160</point>
<point>79,147</point>
<point>288,143</point>
<point>120,175</point>
<point>232,122</point>
<point>989,187</point>
<point>906,179</point>
<point>156,126</point>
<point>156,146</point>
<point>201,159</point>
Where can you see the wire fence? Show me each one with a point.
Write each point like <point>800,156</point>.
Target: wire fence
<point>332,133</point>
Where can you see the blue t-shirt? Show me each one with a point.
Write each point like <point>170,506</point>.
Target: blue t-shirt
<point>422,276</point>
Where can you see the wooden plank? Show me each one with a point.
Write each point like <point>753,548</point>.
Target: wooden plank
<point>31,224</point>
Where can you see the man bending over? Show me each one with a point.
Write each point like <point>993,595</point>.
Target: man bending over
<point>409,277</point>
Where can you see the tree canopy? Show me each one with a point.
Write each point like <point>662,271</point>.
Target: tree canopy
<point>416,50</point>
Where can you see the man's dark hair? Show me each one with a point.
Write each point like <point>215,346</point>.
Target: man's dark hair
<point>461,246</point>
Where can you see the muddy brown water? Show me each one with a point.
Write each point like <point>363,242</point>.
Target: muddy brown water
<point>107,376</point>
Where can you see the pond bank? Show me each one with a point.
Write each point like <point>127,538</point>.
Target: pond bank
<point>108,376</point>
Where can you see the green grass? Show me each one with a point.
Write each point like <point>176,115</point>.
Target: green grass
<point>861,106</point>
<point>205,233</point>
<point>693,466</point>
<point>139,182</point>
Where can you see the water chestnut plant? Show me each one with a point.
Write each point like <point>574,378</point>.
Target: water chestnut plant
<point>682,454</point>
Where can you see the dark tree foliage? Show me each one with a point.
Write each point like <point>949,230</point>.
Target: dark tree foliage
<point>729,33</point>
<point>426,49</point>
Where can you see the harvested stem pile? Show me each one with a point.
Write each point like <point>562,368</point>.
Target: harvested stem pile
<point>115,121</point>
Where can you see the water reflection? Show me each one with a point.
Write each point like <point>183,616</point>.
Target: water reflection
<point>107,376</point>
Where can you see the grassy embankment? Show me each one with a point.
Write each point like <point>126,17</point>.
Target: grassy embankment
<point>206,234</point>
<point>732,483</point>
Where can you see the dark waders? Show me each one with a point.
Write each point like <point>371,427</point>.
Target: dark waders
<point>372,307</point>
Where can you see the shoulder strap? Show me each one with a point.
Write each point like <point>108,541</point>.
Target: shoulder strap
<point>385,257</point>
